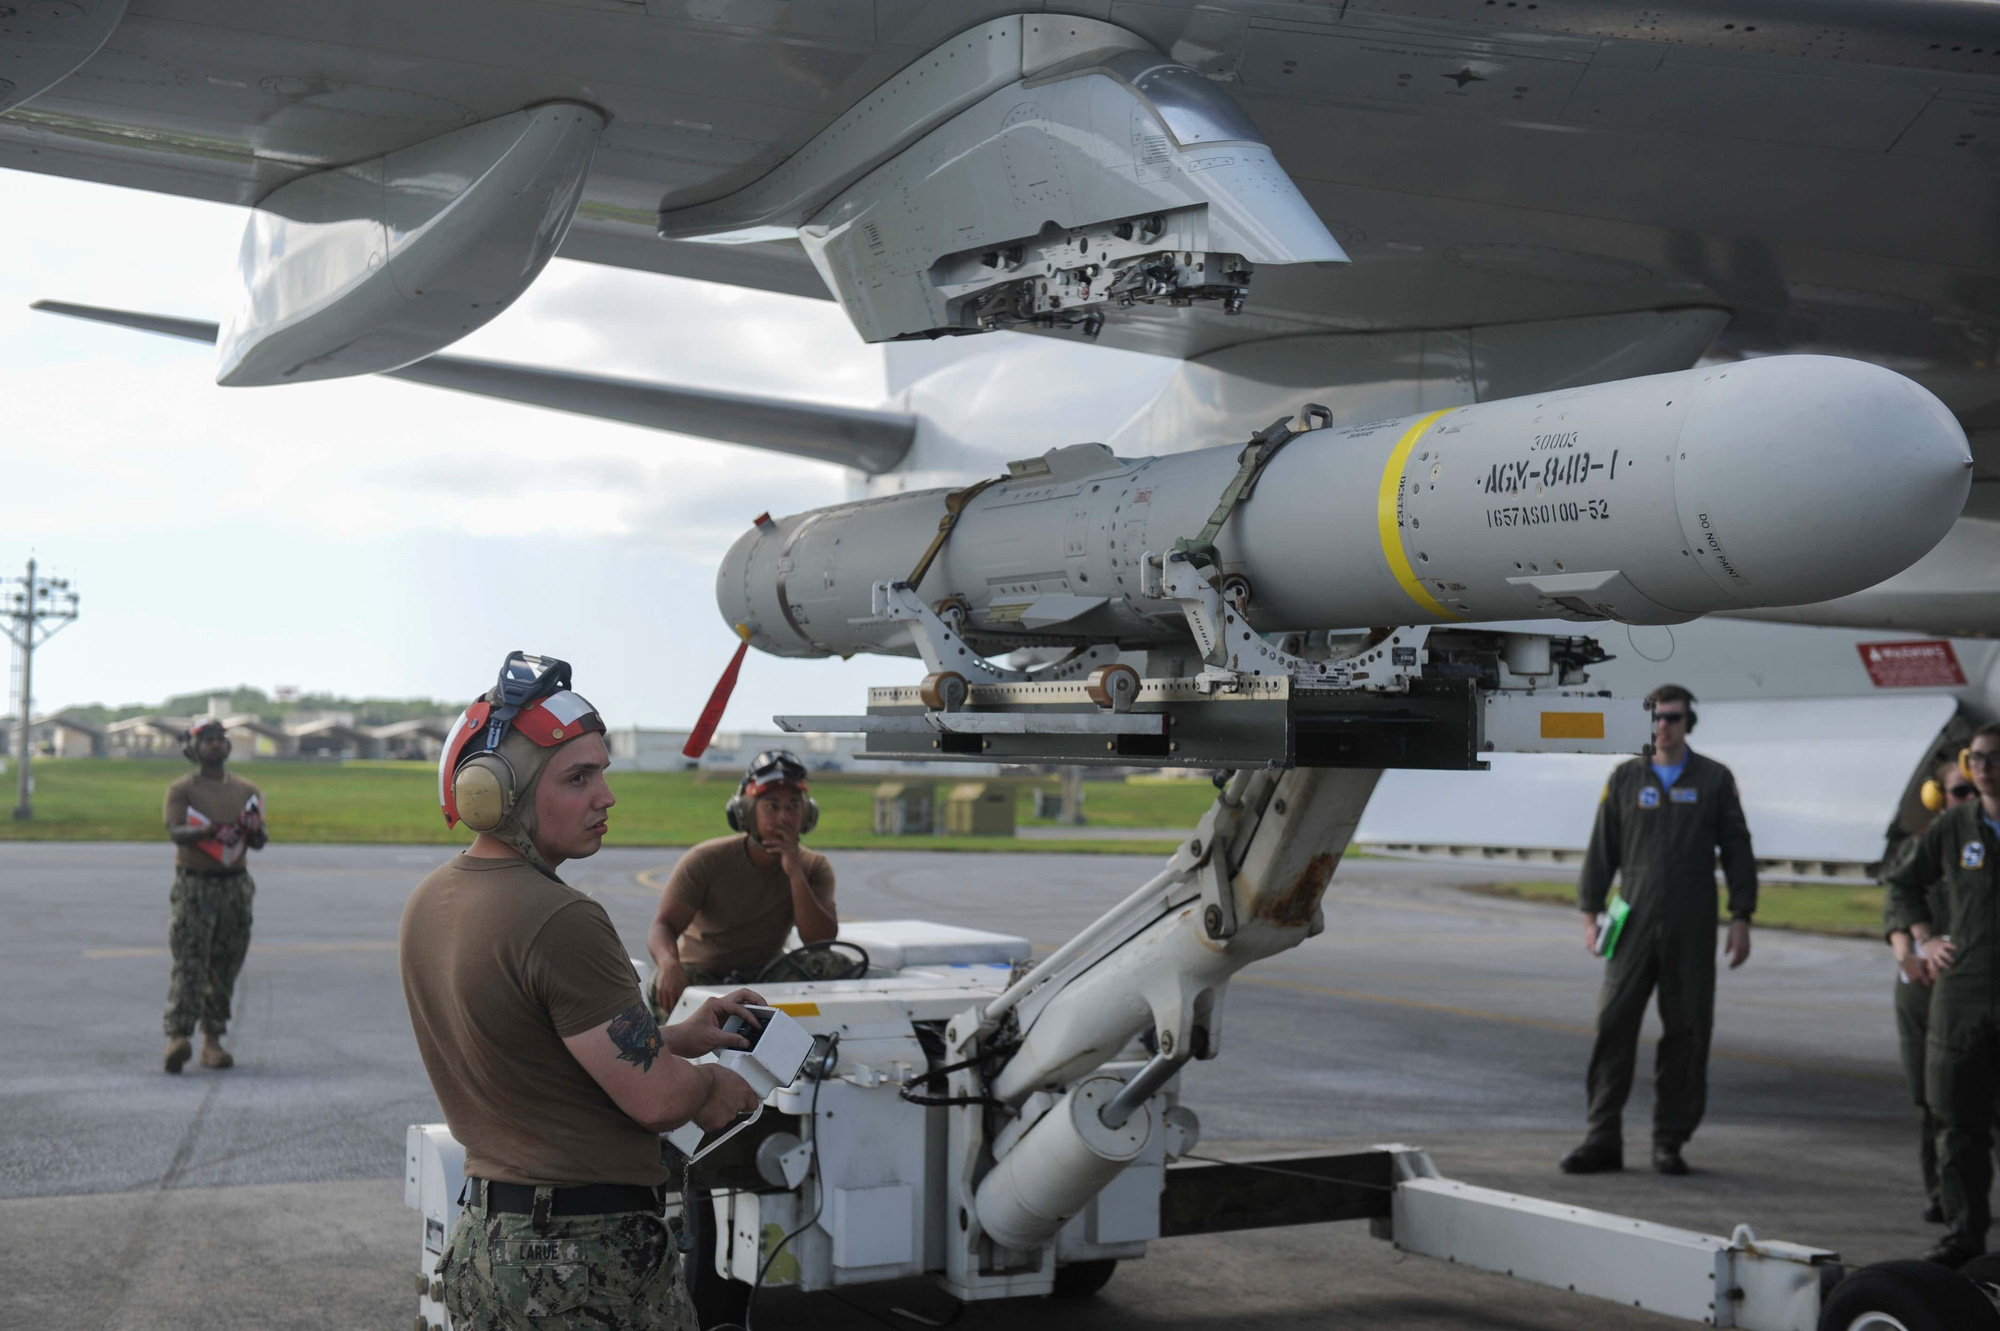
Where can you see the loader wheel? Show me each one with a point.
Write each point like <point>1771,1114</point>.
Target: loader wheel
<point>1983,1270</point>
<point>1080,1280</point>
<point>1907,1296</point>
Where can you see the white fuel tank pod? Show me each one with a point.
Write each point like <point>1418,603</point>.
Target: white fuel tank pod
<point>372,266</point>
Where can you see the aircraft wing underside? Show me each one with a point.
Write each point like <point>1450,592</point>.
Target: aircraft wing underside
<point>1825,171</point>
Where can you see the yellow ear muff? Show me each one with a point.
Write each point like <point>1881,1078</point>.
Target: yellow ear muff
<point>1965,763</point>
<point>1933,796</point>
<point>485,791</point>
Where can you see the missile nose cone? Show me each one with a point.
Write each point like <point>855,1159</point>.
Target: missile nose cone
<point>1803,478</point>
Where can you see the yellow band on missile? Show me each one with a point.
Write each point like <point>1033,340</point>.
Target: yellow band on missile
<point>1388,515</point>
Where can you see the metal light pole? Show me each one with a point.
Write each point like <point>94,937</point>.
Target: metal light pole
<point>35,609</point>
<point>1071,814</point>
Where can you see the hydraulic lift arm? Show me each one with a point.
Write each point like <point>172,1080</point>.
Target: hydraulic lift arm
<point>1245,887</point>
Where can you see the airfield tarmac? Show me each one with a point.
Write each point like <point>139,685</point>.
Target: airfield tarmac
<point>270,1195</point>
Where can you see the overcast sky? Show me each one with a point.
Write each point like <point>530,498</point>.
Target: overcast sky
<point>367,537</point>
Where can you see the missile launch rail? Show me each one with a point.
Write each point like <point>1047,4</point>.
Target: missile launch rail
<point>1417,697</point>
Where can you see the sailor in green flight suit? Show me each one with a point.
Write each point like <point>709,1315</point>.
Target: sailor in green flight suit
<point>1958,855</point>
<point>1947,789</point>
<point>1661,820</point>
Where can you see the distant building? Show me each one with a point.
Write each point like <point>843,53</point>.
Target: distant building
<point>420,740</point>
<point>254,737</point>
<point>330,738</point>
<point>145,737</point>
<point>56,736</point>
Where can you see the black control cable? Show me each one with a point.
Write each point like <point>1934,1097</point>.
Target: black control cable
<point>936,1076</point>
<point>824,1068</point>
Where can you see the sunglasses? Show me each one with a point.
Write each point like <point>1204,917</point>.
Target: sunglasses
<point>1671,718</point>
<point>1991,758</point>
<point>1962,792</point>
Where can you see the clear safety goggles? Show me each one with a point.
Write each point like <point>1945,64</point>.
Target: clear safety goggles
<point>774,767</point>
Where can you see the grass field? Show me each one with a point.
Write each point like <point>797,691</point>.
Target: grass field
<point>119,800</point>
<point>1820,908</point>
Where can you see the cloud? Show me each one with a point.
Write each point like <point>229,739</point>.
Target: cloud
<point>370,536</point>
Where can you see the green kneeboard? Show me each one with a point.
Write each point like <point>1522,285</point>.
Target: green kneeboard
<point>1611,923</point>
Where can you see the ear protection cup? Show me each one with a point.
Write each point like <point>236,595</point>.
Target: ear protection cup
<point>1965,763</point>
<point>1932,796</point>
<point>484,789</point>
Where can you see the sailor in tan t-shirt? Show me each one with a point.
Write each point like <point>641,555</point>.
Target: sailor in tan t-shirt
<point>730,903</point>
<point>528,1015</point>
<point>214,819</point>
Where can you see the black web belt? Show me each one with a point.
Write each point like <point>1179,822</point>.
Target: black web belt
<point>587,1199</point>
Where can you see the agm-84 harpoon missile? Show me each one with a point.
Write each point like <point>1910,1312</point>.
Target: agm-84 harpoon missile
<point>1771,482</point>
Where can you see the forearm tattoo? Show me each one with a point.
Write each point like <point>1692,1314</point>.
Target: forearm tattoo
<point>637,1037</point>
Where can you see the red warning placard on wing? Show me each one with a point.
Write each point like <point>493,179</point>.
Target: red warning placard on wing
<point>1926,664</point>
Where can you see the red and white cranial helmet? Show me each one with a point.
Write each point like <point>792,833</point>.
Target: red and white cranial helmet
<point>531,700</point>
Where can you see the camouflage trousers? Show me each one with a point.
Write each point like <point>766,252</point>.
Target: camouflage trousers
<point>801,965</point>
<point>619,1272</point>
<point>208,936</point>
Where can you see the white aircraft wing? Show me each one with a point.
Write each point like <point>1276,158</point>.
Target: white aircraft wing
<point>1822,170</point>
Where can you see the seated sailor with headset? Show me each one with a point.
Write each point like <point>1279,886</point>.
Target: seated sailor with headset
<point>730,902</point>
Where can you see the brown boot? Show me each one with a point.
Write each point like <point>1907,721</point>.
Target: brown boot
<point>213,1055</point>
<point>179,1050</point>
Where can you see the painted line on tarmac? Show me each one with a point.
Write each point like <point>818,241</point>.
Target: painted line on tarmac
<point>295,949</point>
